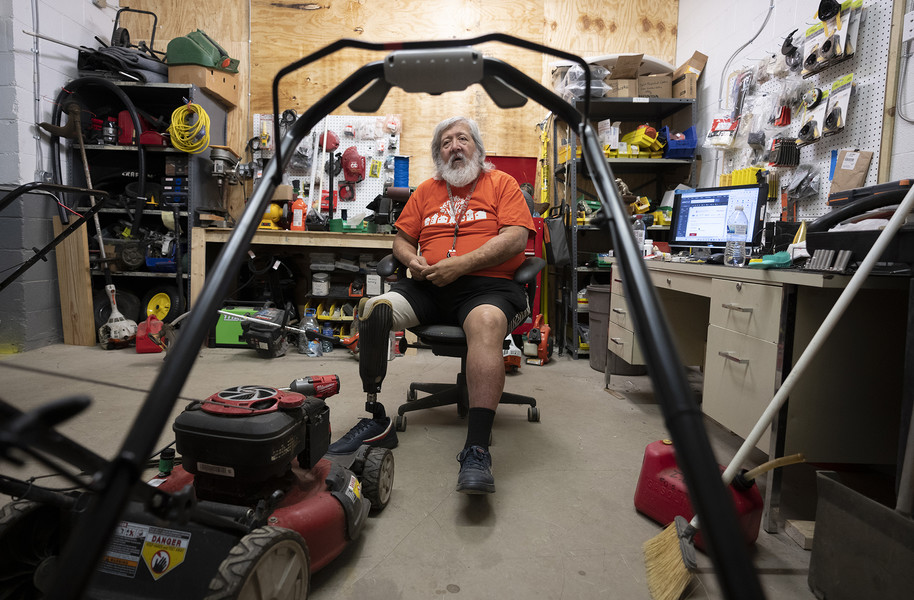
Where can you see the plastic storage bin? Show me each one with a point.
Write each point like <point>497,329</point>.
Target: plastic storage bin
<point>684,148</point>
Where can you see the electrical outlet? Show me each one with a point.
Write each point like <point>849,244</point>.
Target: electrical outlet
<point>907,33</point>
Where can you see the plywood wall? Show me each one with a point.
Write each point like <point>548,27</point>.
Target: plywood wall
<point>282,31</point>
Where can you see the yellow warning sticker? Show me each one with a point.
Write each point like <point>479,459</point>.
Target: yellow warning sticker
<point>164,549</point>
<point>355,489</point>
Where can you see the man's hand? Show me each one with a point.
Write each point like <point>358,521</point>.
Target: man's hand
<point>445,271</point>
<point>418,267</point>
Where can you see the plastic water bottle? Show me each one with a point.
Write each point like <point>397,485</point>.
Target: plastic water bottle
<point>638,228</point>
<point>737,226</point>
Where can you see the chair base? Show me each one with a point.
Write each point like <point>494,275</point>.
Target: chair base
<point>446,394</point>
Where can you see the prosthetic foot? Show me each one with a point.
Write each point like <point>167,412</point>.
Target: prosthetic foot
<point>375,323</point>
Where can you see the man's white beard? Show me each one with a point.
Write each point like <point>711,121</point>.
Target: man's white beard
<point>462,175</point>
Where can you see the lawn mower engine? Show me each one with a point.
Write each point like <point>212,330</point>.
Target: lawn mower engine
<point>240,443</point>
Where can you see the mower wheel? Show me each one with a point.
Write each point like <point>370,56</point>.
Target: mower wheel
<point>269,562</point>
<point>30,542</point>
<point>378,477</point>
<point>163,302</point>
<point>400,422</point>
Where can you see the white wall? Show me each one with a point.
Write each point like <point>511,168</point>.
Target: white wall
<point>72,21</point>
<point>30,314</point>
<point>718,28</point>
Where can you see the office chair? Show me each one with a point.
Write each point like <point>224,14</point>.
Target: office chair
<point>449,340</point>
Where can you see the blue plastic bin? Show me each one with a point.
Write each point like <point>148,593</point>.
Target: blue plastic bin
<point>680,148</point>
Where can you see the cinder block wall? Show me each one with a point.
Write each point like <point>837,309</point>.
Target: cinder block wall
<point>30,307</point>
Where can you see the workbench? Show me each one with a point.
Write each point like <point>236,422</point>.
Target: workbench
<point>209,238</point>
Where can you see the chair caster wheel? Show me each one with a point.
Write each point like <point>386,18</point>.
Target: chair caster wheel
<point>400,422</point>
<point>533,414</point>
<point>411,395</point>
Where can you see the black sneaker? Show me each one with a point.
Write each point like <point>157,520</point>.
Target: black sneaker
<point>475,471</point>
<point>372,432</point>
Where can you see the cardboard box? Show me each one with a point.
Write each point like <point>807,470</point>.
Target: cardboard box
<point>656,86</point>
<point>220,86</point>
<point>623,79</point>
<point>685,78</point>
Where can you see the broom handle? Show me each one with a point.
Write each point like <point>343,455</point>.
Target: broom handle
<point>818,339</point>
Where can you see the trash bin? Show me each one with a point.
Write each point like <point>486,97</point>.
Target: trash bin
<point>598,306</point>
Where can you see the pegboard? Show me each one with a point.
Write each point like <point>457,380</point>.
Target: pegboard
<point>863,122</point>
<point>866,109</point>
<point>377,138</point>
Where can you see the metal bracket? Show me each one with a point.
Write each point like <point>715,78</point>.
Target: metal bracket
<point>434,71</point>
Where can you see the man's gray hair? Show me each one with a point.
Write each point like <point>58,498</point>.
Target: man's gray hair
<point>474,133</point>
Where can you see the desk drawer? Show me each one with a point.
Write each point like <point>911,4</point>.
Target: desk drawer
<point>619,312</point>
<point>750,308</point>
<point>622,343</point>
<point>679,282</point>
<point>739,381</point>
<point>616,284</point>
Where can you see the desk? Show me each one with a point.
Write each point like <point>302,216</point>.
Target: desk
<point>202,237</point>
<point>746,326</point>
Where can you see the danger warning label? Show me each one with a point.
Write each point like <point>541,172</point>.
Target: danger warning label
<point>160,549</point>
<point>164,550</point>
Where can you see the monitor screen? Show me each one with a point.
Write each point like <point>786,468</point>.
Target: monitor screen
<point>699,218</point>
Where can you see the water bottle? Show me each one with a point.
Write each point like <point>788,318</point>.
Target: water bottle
<point>737,226</point>
<point>638,228</point>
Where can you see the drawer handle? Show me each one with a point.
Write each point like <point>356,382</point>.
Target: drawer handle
<point>617,341</point>
<point>618,311</point>
<point>617,280</point>
<point>669,281</point>
<point>729,356</point>
<point>736,307</point>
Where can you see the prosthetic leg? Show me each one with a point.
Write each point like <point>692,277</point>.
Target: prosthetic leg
<point>374,336</point>
<point>375,322</point>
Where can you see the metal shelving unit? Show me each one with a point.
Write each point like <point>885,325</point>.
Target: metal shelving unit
<point>654,176</point>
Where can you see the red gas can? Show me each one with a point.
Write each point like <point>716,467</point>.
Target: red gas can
<point>661,493</point>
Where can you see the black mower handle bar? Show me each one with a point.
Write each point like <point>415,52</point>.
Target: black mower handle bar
<point>682,415</point>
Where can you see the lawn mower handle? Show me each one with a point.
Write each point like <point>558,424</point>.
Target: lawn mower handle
<point>682,415</point>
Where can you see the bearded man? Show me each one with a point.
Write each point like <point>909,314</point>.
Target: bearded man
<point>462,234</point>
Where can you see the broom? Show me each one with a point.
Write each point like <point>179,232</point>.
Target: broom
<point>670,556</point>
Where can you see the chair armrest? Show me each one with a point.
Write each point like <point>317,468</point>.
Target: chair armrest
<point>389,265</point>
<point>526,272</point>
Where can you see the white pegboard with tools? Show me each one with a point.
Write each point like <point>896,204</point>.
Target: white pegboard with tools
<point>859,84</point>
<point>368,143</point>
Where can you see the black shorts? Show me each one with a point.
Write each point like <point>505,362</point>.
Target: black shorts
<point>452,303</point>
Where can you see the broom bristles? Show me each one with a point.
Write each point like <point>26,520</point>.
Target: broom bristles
<point>667,575</point>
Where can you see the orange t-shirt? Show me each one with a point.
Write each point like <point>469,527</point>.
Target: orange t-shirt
<point>496,202</point>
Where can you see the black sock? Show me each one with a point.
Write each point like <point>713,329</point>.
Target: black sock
<point>479,427</point>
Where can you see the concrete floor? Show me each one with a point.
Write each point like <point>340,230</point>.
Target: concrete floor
<point>562,524</point>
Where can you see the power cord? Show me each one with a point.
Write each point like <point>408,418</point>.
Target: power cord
<point>187,133</point>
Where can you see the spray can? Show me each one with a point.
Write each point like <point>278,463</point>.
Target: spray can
<point>299,210</point>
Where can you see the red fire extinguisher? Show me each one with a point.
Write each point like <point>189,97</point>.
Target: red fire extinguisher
<point>299,210</point>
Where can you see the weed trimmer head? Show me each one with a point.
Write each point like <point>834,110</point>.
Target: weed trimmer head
<point>118,331</point>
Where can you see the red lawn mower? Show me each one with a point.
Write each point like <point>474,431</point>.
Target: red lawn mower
<point>254,507</point>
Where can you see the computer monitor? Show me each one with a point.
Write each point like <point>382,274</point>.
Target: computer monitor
<point>699,219</point>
